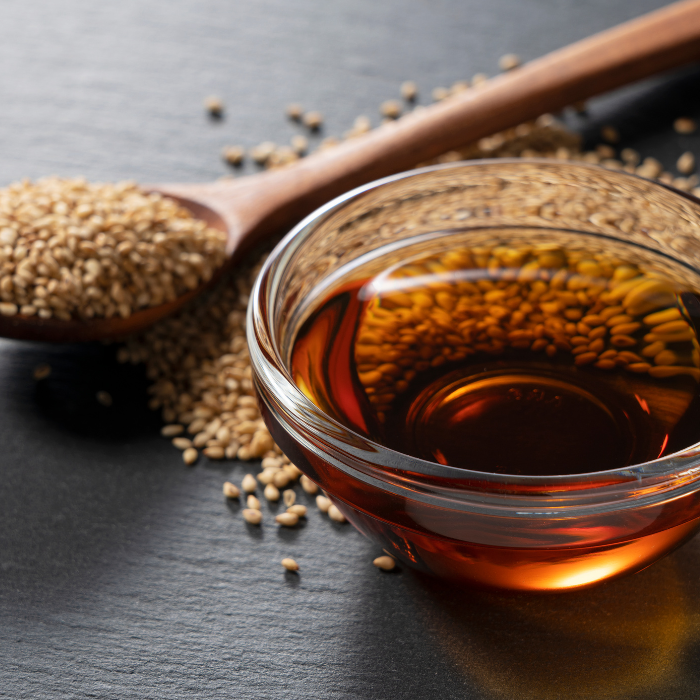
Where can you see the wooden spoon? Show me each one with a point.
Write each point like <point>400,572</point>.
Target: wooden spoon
<point>252,208</point>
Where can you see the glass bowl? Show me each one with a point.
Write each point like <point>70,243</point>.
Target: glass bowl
<point>535,533</point>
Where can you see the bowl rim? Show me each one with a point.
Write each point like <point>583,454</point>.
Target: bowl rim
<point>654,481</point>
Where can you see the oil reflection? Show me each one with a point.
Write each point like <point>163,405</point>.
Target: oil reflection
<point>622,639</point>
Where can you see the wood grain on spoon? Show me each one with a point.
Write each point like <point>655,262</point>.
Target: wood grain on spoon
<point>257,206</point>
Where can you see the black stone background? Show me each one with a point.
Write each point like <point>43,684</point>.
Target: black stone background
<point>124,574</point>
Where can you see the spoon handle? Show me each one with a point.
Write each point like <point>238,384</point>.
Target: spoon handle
<point>257,205</point>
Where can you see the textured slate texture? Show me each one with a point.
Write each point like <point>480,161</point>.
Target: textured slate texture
<point>124,574</point>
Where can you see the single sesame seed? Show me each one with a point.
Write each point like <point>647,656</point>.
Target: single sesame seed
<point>294,111</point>
<point>298,509</point>
<point>189,456</point>
<point>508,62</point>
<point>172,430</point>
<point>684,125</point>
<point>335,514</point>
<point>289,497</point>
<point>610,134</point>
<point>104,398</point>
<point>214,105</point>
<point>249,484</point>
<point>290,564</point>
<point>313,120</point>
<point>233,155</point>
<point>409,91</point>
<point>252,516</point>
<point>308,485</point>
<point>231,490</point>
<point>42,372</point>
<point>390,109</point>
<point>299,144</point>
<point>686,163</point>
<point>252,502</point>
<point>323,503</point>
<point>214,452</point>
<point>181,443</point>
<point>385,563</point>
<point>271,492</point>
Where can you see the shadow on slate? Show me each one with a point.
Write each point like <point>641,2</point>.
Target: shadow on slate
<point>632,638</point>
<point>68,396</point>
<point>645,112</point>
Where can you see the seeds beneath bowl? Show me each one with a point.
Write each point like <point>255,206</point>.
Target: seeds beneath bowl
<point>69,248</point>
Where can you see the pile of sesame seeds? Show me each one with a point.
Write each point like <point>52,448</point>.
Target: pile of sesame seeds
<point>69,248</point>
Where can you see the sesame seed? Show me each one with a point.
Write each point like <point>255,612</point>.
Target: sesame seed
<point>298,510</point>
<point>271,492</point>
<point>313,120</point>
<point>610,134</point>
<point>390,109</point>
<point>214,105</point>
<point>231,490</point>
<point>323,503</point>
<point>189,456</point>
<point>233,155</point>
<point>294,111</point>
<point>290,564</point>
<point>686,163</point>
<point>104,398</point>
<point>335,514</point>
<point>289,497</point>
<point>172,430</point>
<point>308,485</point>
<point>42,372</point>
<point>249,484</point>
<point>252,516</point>
<point>385,563</point>
<point>508,62</point>
<point>684,125</point>
<point>252,502</point>
<point>409,91</point>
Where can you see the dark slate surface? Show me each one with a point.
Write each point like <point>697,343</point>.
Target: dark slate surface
<point>124,574</point>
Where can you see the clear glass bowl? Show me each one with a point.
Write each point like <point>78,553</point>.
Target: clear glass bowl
<point>538,533</point>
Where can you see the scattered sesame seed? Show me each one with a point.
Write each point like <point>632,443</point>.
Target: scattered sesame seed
<point>271,492</point>
<point>104,398</point>
<point>262,152</point>
<point>252,516</point>
<point>313,120</point>
<point>287,519</point>
<point>299,144</point>
<point>390,109</point>
<point>189,456</point>
<point>629,156</point>
<point>440,93</point>
<point>409,91</point>
<point>323,503</point>
<point>479,79</point>
<point>308,485</point>
<point>42,372</point>
<point>686,163</point>
<point>233,155</point>
<point>294,111</point>
<point>508,62</point>
<point>289,497</point>
<point>290,564</point>
<point>298,509</point>
<point>231,490</point>
<point>182,443</point>
<point>214,452</point>
<point>385,563</point>
<point>249,484</point>
<point>335,514</point>
<point>610,134</point>
<point>215,106</point>
<point>684,125</point>
<point>252,502</point>
<point>172,430</point>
